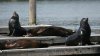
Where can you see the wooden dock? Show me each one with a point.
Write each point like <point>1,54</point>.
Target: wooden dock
<point>55,50</point>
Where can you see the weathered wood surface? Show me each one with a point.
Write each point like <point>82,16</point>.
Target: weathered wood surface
<point>32,12</point>
<point>50,39</point>
<point>52,51</point>
<point>53,39</point>
<point>94,38</point>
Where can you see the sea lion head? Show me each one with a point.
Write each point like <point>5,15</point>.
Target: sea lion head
<point>84,21</point>
<point>15,14</point>
<point>15,19</point>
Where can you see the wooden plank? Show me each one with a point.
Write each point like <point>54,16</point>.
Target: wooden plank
<point>1,54</point>
<point>94,38</point>
<point>4,29</point>
<point>51,51</point>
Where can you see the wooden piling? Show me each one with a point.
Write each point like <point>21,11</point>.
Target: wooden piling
<point>13,0</point>
<point>32,12</point>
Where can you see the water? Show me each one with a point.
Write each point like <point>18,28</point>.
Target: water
<point>7,8</point>
<point>66,13</point>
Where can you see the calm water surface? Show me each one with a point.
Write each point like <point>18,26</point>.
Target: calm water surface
<point>66,13</point>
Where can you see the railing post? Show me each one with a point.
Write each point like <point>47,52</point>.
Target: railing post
<point>32,12</point>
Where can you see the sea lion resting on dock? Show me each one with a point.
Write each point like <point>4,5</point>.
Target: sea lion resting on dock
<point>50,31</point>
<point>15,27</point>
<point>82,35</point>
<point>86,31</point>
<point>22,43</point>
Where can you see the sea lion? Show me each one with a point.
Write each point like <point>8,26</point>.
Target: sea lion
<point>82,35</point>
<point>86,31</point>
<point>73,39</point>
<point>23,43</point>
<point>49,31</point>
<point>15,28</point>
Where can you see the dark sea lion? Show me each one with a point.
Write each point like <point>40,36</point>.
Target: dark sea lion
<point>15,27</point>
<point>86,31</point>
<point>49,31</point>
<point>23,43</point>
<point>82,35</point>
<point>73,39</point>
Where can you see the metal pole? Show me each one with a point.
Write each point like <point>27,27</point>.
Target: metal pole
<point>32,12</point>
